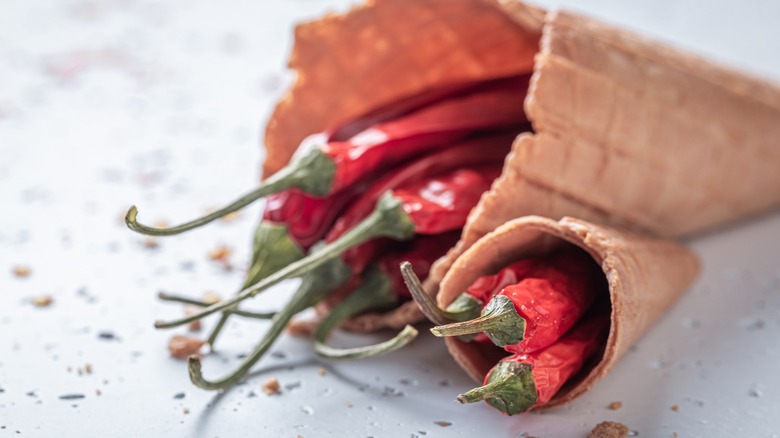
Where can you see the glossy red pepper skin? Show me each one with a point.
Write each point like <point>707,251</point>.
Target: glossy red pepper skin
<point>553,366</point>
<point>387,144</point>
<point>551,294</point>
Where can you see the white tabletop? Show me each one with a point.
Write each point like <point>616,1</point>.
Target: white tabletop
<point>108,103</point>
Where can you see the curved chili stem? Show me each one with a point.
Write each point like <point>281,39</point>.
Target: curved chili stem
<point>312,290</point>
<point>186,300</point>
<point>499,320</point>
<point>312,173</point>
<point>510,388</point>
<point>388,220</point>
<point>272,250</point>
<point>375,292</point>
<point>429,308</point>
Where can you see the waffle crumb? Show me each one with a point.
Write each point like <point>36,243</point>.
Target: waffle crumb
<point>21,271</point>
<point>322,371</point>
<point>150,243</point>
<point>186,411</point>
<point>609,429</point>
<point>182,347</point>
<point>42,301</point>
<point>271,386</point>
<point>196,325</point>
<point>615,405</point>
<point>675,408</point>
<point>220,254</point>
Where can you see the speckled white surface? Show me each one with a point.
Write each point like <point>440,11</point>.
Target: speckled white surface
<point>108,103</point>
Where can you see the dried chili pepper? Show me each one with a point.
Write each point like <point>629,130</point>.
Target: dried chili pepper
<point>323,168</point>
<point>400,214</point>
<point>533,302</point>
<point>524,381</point>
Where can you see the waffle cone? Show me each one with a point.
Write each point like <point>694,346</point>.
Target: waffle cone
<point>645,276</point>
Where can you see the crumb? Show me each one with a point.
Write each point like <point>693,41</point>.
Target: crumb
<point>182,347</point>
<point>150,243</point>
<point>196,325</point>
<point>443,423</point>
<point>675,408</point>
<point>220,254</point>
<point>303,329</point>
<point>161,224</point>
<point>299,436</point>
<point>186,411</point>
<point>271,386</point>
<point>615,405</point>
<point>21,271</point>
<point>674,434</point>
<point>609,429</point>
<point>211,298</point>
<point>350,405</point>
<point>42,301</point>
<point>322,371</point>
<point>233,215</point>
<point>88,368</point>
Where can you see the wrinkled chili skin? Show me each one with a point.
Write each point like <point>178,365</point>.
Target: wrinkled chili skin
<point>553,366</point>
<point>497,106</point>
<point>550,293</point>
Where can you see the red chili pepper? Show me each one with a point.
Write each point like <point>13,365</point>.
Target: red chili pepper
<point>536,301</point>
<point>324,271</point>
<point>524,381</point>
<point>322,169</point>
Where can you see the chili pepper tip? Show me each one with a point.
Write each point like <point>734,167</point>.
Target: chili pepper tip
<point>499,320</point>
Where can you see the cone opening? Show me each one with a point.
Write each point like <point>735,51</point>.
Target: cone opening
<point>518,239</point>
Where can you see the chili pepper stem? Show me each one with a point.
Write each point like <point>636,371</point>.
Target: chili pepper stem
<point>176,298</point>
<point>375,292</point>
<point>429,307</point>
<point>312,173</point>
<point>510,389</point>
<point>387,220</point>
<point>313,289</point>
<point>500,322</point>
<point>273,249</point>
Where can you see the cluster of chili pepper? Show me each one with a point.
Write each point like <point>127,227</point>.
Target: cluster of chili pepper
<point>398,189</point>
<point>538,309</point>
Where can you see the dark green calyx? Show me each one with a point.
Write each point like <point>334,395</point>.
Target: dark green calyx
<point>510,389</point>
<point>375,292</point>
<point>499,320</point>
<point>312,173</point>
<point>272,250</point>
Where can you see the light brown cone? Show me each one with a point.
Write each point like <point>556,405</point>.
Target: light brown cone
<point>645,276</point>
<point>386,51</point>
<point>635,134</point>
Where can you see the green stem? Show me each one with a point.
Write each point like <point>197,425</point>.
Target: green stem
<point>387,220</point>
<point>375,292</point>
<point>312,173</point>
<point>510,389</point>
<point>314,288</point>
<point>429,307</point>
<point>500,322</point>
<point>186,300</point>
<point>272,250</point>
